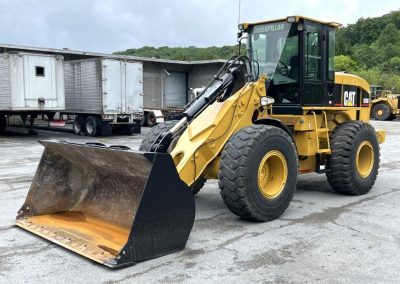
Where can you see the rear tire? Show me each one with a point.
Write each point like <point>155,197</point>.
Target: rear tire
<point>92,126</point>
<point>152,136</point>
<point>354,162</point>
<point>381,111</point>
<point>78,125</point>
<point>247,189</point>
<point>151,119</point>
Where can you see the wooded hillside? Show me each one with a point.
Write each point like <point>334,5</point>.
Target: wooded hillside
<point>183,53</point>
<point>369,48</point>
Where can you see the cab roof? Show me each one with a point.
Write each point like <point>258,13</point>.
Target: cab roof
<point>295,19</point>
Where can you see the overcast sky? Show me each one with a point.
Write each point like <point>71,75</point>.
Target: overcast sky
<point>112,25</point>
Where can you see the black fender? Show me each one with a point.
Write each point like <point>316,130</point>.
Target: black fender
<point>276,123</point>
<point>281,125</point>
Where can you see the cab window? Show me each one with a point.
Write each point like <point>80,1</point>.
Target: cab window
<point>313,54</point>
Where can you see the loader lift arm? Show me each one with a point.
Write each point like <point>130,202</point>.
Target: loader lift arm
<point>220,88</point>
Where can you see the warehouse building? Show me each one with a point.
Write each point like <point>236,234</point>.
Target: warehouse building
<point>166,83</point>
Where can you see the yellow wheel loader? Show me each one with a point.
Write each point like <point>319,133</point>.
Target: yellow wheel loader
<point>266,117</point>
<point>386,106</point>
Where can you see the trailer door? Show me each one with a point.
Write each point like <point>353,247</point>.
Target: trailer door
<point>175,89</point>
<point>133,87</point>
<point>113,86</point>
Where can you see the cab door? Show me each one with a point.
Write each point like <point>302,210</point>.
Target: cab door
<point>314,77</point>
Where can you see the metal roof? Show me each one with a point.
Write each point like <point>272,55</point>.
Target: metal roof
<point>76,54</point>
<point>298,18</point>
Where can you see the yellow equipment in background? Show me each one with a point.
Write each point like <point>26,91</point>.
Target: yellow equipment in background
<point>386,106</point>
<point>264,118</point>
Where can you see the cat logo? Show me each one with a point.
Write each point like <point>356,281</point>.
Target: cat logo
<point>349,98</point>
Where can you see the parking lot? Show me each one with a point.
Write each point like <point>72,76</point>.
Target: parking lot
<point>322,237</point>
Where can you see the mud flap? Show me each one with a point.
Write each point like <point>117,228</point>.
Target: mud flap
<point>112,205</point>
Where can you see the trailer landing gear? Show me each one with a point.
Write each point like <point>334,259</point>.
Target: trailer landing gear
<point>31,130</point>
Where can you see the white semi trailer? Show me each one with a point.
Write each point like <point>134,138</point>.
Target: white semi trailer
<point>104,94</point>
<point>30,84</point>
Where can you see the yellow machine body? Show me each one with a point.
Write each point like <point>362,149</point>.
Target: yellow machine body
<point>198,150</point>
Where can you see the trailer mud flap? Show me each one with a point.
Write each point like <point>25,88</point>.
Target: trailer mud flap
<point>112,205</point>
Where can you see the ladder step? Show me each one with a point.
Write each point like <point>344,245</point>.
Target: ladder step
<point>324,151</point>
<point>322,129</point>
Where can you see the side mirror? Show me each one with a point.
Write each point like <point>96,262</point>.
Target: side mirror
<point>301,27</point>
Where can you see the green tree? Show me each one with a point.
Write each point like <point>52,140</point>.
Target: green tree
<point>389,35</point>
<point>365,55</point>
<point>393,65</point>
<point>345,63</point>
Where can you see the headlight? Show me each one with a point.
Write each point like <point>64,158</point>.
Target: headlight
<point>265,101</point>
<point>291,19</point>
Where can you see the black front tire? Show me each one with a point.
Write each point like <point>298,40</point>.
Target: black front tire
<point>78,125</point>
<point>152,136</point>
<point>342,171</point>
<point>239,167</point>
<point>382,108</point>
<point>93,126</point>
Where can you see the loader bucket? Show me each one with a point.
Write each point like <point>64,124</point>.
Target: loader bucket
<point>114,206</point>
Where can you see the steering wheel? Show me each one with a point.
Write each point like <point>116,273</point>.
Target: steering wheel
<point>283,68</point>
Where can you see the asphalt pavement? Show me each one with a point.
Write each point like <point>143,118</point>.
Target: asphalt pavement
<point>322,237</point>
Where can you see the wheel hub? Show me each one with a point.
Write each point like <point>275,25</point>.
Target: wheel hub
<point>272,174</point>
<point>380,112</point>
<point>365,159</point>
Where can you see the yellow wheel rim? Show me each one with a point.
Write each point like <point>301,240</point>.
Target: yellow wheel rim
<point>365,159</point>
<point>272,174</point>
<point>380,112</point>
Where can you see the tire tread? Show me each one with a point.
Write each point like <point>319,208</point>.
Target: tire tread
<point>340,172</point>
<point>232,171</point>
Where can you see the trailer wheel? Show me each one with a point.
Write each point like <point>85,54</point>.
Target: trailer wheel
<point>354,162</point>
<point>136,127</point>
<point>3,123</point>
<point>78,125</point>
<point>258,172</point>
<point>152,136</point>
<point>151,119</point>
<point>381,111</point>
<point>92,126</point>
<point>143,122</point>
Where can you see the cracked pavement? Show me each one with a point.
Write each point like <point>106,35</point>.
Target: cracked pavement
<point>322,236</point>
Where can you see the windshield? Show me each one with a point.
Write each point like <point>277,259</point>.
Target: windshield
<point>275,47</point>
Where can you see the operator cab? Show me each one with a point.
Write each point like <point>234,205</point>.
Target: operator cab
<point>296,54</point>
